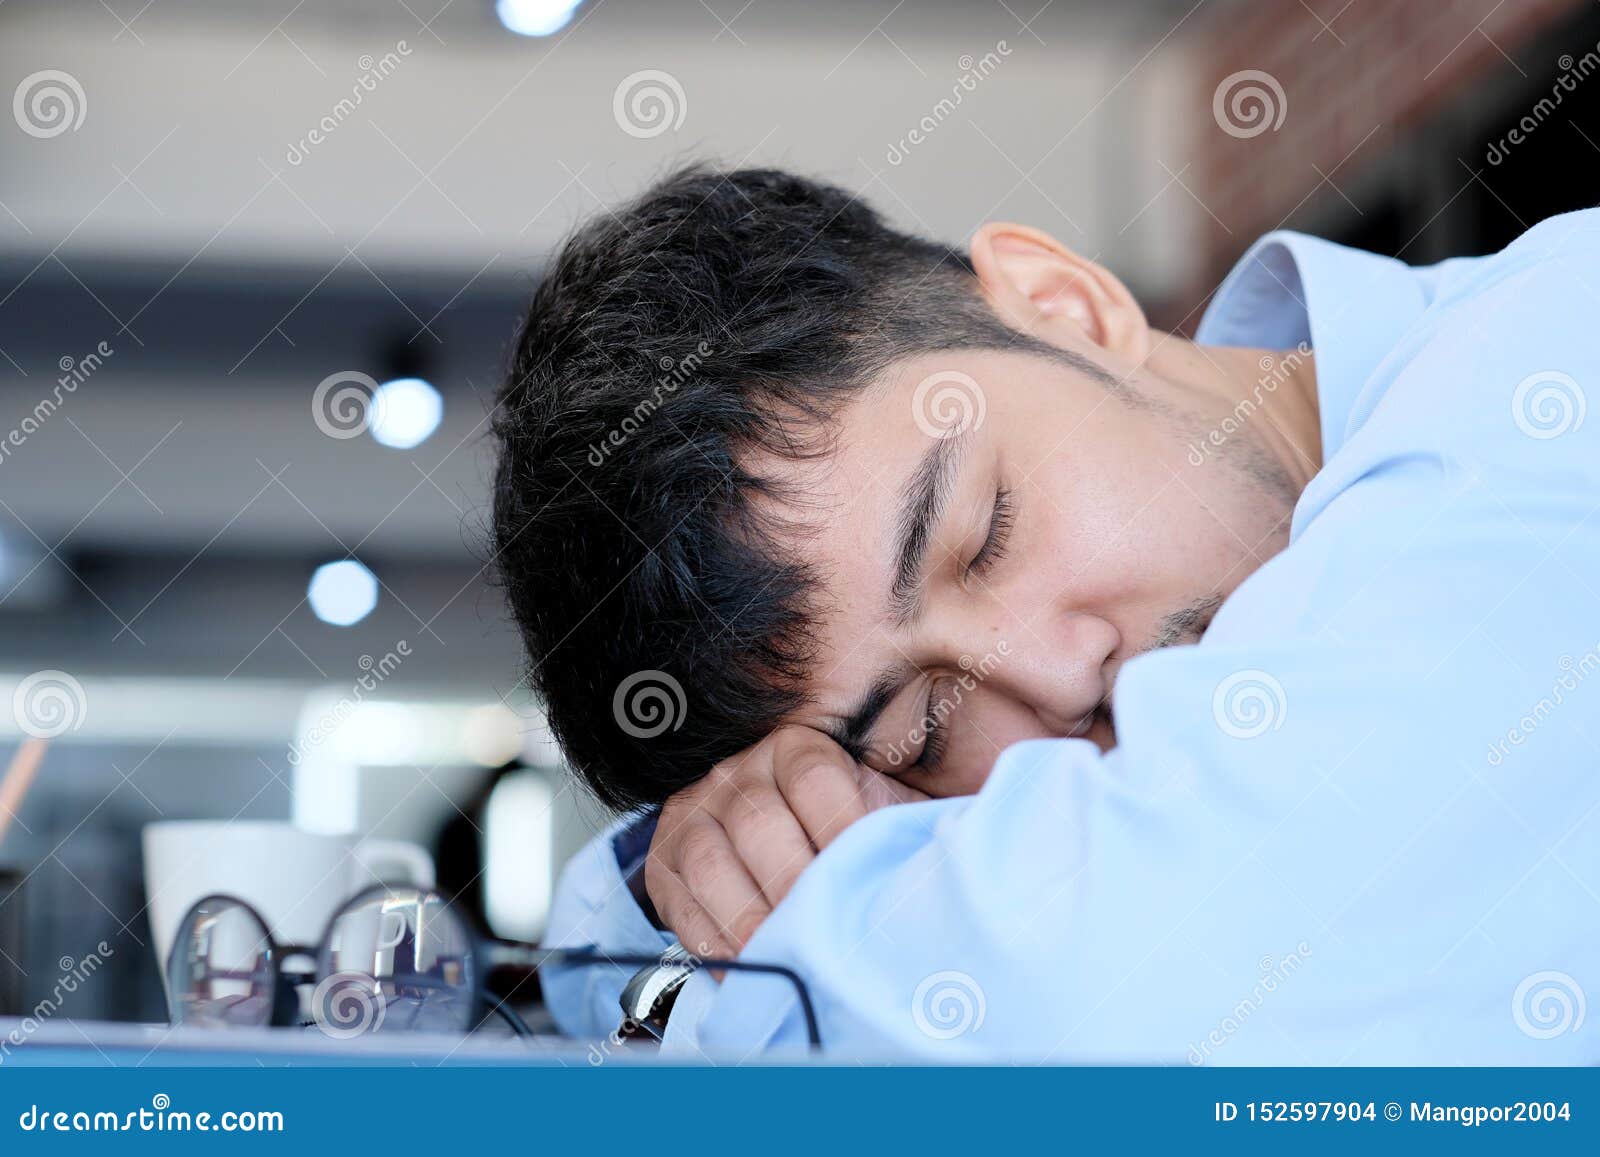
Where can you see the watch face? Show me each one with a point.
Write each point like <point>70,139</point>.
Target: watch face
<point>649,995</point>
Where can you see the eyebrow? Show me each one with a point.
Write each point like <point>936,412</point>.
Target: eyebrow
<point>922,505</point>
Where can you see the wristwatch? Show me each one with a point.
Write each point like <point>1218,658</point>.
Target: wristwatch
<point>648,997</point>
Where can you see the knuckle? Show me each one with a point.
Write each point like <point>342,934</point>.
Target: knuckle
<point>677,808</point>
<point>754,810</point>
<point>699,876</point>
<point>704,858</point>
<point>805,743</point>
<point>747,768</point>
<point>719,777</point>
<point>811,776</point>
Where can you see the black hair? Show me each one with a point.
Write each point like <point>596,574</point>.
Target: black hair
<point>719,319</point>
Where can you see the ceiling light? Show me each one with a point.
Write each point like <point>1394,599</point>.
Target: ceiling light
<point>342,593</point>
<point>535,17</point>
<point>404,413</point>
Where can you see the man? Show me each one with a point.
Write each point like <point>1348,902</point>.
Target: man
<point>802,518</point>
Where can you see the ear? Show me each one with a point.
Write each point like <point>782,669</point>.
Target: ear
<point>1043,288</point>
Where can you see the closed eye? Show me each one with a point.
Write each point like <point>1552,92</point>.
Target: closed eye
<point>935,724</point>
<point>994,545</point>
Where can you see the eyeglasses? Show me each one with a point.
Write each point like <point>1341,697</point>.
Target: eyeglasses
<point>393,958</point>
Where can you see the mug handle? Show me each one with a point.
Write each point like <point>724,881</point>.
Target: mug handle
<point>396,860</point>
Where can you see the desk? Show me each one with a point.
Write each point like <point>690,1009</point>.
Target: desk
<point>63,1042</point>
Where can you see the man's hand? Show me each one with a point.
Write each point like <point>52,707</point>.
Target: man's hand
<point>729,848</point>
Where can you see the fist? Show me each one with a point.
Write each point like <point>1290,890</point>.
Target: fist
<point>729,848</point>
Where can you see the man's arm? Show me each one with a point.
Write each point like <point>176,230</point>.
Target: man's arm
<point>1343,886</point>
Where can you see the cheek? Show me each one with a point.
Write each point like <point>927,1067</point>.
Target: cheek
<point>1217,526</point>
<point>1141,526</point>
<point>1098,528</point>
<point>989,723</point>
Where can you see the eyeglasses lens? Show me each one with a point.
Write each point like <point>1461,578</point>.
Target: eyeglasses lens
<point>221,972</point>
<point>399,959</point>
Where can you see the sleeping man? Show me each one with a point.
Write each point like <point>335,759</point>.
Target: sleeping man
<point>1039,685</point>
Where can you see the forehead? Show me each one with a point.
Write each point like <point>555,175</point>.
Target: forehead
<point>837,507</point>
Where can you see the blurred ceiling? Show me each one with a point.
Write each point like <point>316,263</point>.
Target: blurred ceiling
<point>478,145</point>
<point>233,263</point>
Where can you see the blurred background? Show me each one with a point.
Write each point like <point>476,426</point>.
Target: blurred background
<point>261,262</point>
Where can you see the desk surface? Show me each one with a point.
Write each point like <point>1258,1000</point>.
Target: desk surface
<point>61,1042</point>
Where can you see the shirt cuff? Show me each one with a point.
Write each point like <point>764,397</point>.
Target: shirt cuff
<point>594,908</point>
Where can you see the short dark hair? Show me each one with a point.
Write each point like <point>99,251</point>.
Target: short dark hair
<point>720,316</point>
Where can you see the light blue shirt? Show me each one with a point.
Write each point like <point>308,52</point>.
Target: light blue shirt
<point>1359,823</point>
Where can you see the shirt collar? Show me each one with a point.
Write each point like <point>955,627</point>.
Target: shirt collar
<point>1349,306</point>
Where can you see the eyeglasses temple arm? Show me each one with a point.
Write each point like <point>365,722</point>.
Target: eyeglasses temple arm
<point>519,1027</point>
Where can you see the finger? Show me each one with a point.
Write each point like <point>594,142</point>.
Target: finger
<point>718,881</point>
<point>680,913</point>
<point>690,923</point>
<point>880,790</point>
<point>824,793</point>
<point>769,839</point>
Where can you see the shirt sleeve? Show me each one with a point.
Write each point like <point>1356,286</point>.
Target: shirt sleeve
<point>1300,885</point>
<point>594,908</point>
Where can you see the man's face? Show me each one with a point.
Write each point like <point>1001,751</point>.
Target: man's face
<point>990,557</point>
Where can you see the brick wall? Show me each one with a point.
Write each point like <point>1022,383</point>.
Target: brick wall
<point>1343,84</point>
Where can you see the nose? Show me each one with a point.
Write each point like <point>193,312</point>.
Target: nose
<point>1056,667</point>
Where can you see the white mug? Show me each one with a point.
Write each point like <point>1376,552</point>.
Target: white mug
<point>294,878</point>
